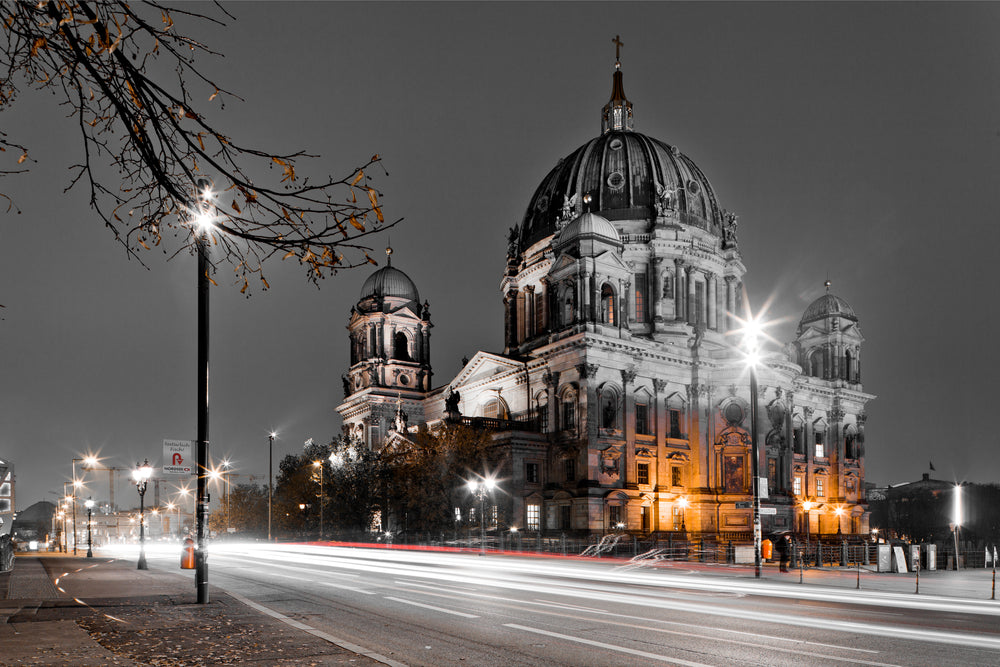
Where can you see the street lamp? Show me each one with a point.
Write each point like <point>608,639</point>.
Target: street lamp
<point>479,488</point>
<point>957,512</point>
<point>90,536</point>
<point>141,475</point>
<point>319,464</point>
<point>751,330</point>
<point>270,475</point>
<point>225,471</point>
<point>62,542</point>
<point>683,502</point>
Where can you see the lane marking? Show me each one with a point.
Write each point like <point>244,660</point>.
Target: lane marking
<point>609,647</point>
<point>354,648</point>
<point>322,583</point>
<point>427,606</point>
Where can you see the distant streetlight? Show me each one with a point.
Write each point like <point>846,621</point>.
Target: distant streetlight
<point>90,535</point>
<point>141,475</point>
<point>479,488</point>
<point>270,476</point>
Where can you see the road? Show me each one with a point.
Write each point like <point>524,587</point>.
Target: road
<point>433,608</point>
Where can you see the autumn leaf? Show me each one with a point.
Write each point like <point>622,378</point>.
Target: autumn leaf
<point>213,95</point>
<point>361,174</point>
<point>235,207</point>
<point>290,253</point>
<point>357,225</point>
<point>22,158</point>
<point>264,280</point>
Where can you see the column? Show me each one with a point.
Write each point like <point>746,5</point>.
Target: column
<point>692,316</point>
<point>712,301</point>
<point>678,296</point>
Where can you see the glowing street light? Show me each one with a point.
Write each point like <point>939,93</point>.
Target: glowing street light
<point>90,535</point>
<point>751,347</point>
<point>683,503</point>
<point>956,517</point>
<point>270,476</point>
<point>319,465</point>
<point>806,506</point>
<point>141,475</point>
<point>479,488</point>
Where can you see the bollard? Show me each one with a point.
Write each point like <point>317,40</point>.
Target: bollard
<point>187,554</point>
<point>843,553</point>
<point>864,545</point>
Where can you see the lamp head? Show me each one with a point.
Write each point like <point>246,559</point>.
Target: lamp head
<point>89,503</point>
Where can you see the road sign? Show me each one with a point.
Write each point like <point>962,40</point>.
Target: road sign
<point>178,457</point>
<point>768,510</point>
<point>743,504</point>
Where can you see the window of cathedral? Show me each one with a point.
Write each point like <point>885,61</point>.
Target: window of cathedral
<point>639,281</point>
<point>607,304</point>
<point>565,517</point>
<point>820,445</point>
<point>615,516</point>
<point>568,412</point>
<point>816,364</point>
<point>677,514</point>
<point>531,473</point>
<point>542,412</point>
<point>569,469</point>
<point>700,304</point>
<point>851,445</point>
<point>458,515</point>
<point>642,473</point>
<point>772,473</point>
<point>675,425</point>
<point>567,302</point>
<point>539,313</point>
<point>675,476</point>
<point>668,285</point>
<point>532,515</point>
<point>609,409</point>
<point>401,347</point>
<point>495,409</point>
<point>797,486</point>
<point>820,491</point>
<point>641,419</point>
<point>799,439</point>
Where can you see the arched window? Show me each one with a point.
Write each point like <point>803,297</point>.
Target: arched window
<point>609,409</point>
<point>567,305</point>
<point>816,364</point>
<point>847,372</point>
<point>567,416</point>
<point>798,437</point>
<point>851,444</point>
<point>401,347</point>
<point>607,304</point>
<point>668,285</point>
<point>542,411</point>
<point>494,408</point>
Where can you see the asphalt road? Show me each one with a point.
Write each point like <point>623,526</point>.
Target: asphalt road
<point>431,608</point>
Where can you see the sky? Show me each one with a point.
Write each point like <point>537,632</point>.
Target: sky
<point>858,142</point>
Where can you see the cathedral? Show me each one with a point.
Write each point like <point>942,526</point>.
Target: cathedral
<point>621,399</point>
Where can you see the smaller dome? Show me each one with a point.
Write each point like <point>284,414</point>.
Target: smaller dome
<point>828,305</point>
<point>389,282</point>
<point>589,226</point>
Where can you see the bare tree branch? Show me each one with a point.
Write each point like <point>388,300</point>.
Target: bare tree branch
<point>105,58</point>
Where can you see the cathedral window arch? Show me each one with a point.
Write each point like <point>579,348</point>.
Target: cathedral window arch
<point>676,411</point>
<point>819,433</point>
<point>542,411</point>
<point>816,363</point>
<point>495,408</point>
<point>610,413</point>
<point>798,436</point>
<point>567,408</point>
<point>567,304</point>
<point>607,304</point>
<point>851,449</point>
<point>401,346</point>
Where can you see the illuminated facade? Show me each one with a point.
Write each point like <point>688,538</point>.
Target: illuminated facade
<point>620,398</point>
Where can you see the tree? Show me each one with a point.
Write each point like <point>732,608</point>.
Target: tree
<point>425,477</point>
<point>106,60</point>
<point>247,507</point>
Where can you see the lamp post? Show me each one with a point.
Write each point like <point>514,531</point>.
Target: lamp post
<point>751,344</point>
<point>683,502</point>
<point>225,472</point>
<point>141,475</point>
<point>319,464</point>
<point>957,510</point>
<point>90,536</point>
<point>62,542</point>
<point>479,488</point>
<point>806,506</point>
<point>270,476</point>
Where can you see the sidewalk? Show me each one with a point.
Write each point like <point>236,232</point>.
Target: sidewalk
<point>130,617</point>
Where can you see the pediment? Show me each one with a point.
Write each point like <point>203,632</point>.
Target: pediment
<point>484,365</point>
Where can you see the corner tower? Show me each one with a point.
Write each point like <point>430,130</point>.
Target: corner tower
<point>390,372</point>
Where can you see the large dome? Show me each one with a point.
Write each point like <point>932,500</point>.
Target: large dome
<point>627,176</point>
<point>389,282</point>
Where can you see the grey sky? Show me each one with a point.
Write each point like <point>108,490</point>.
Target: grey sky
<point>856,141</point>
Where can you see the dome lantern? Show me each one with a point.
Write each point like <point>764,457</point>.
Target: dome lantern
<point>617,113</point>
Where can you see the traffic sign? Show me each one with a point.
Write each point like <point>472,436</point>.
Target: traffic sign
<point>177,457</point>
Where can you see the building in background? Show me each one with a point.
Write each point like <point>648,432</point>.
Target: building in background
<point>6,496</point>
<point>620,398</point>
